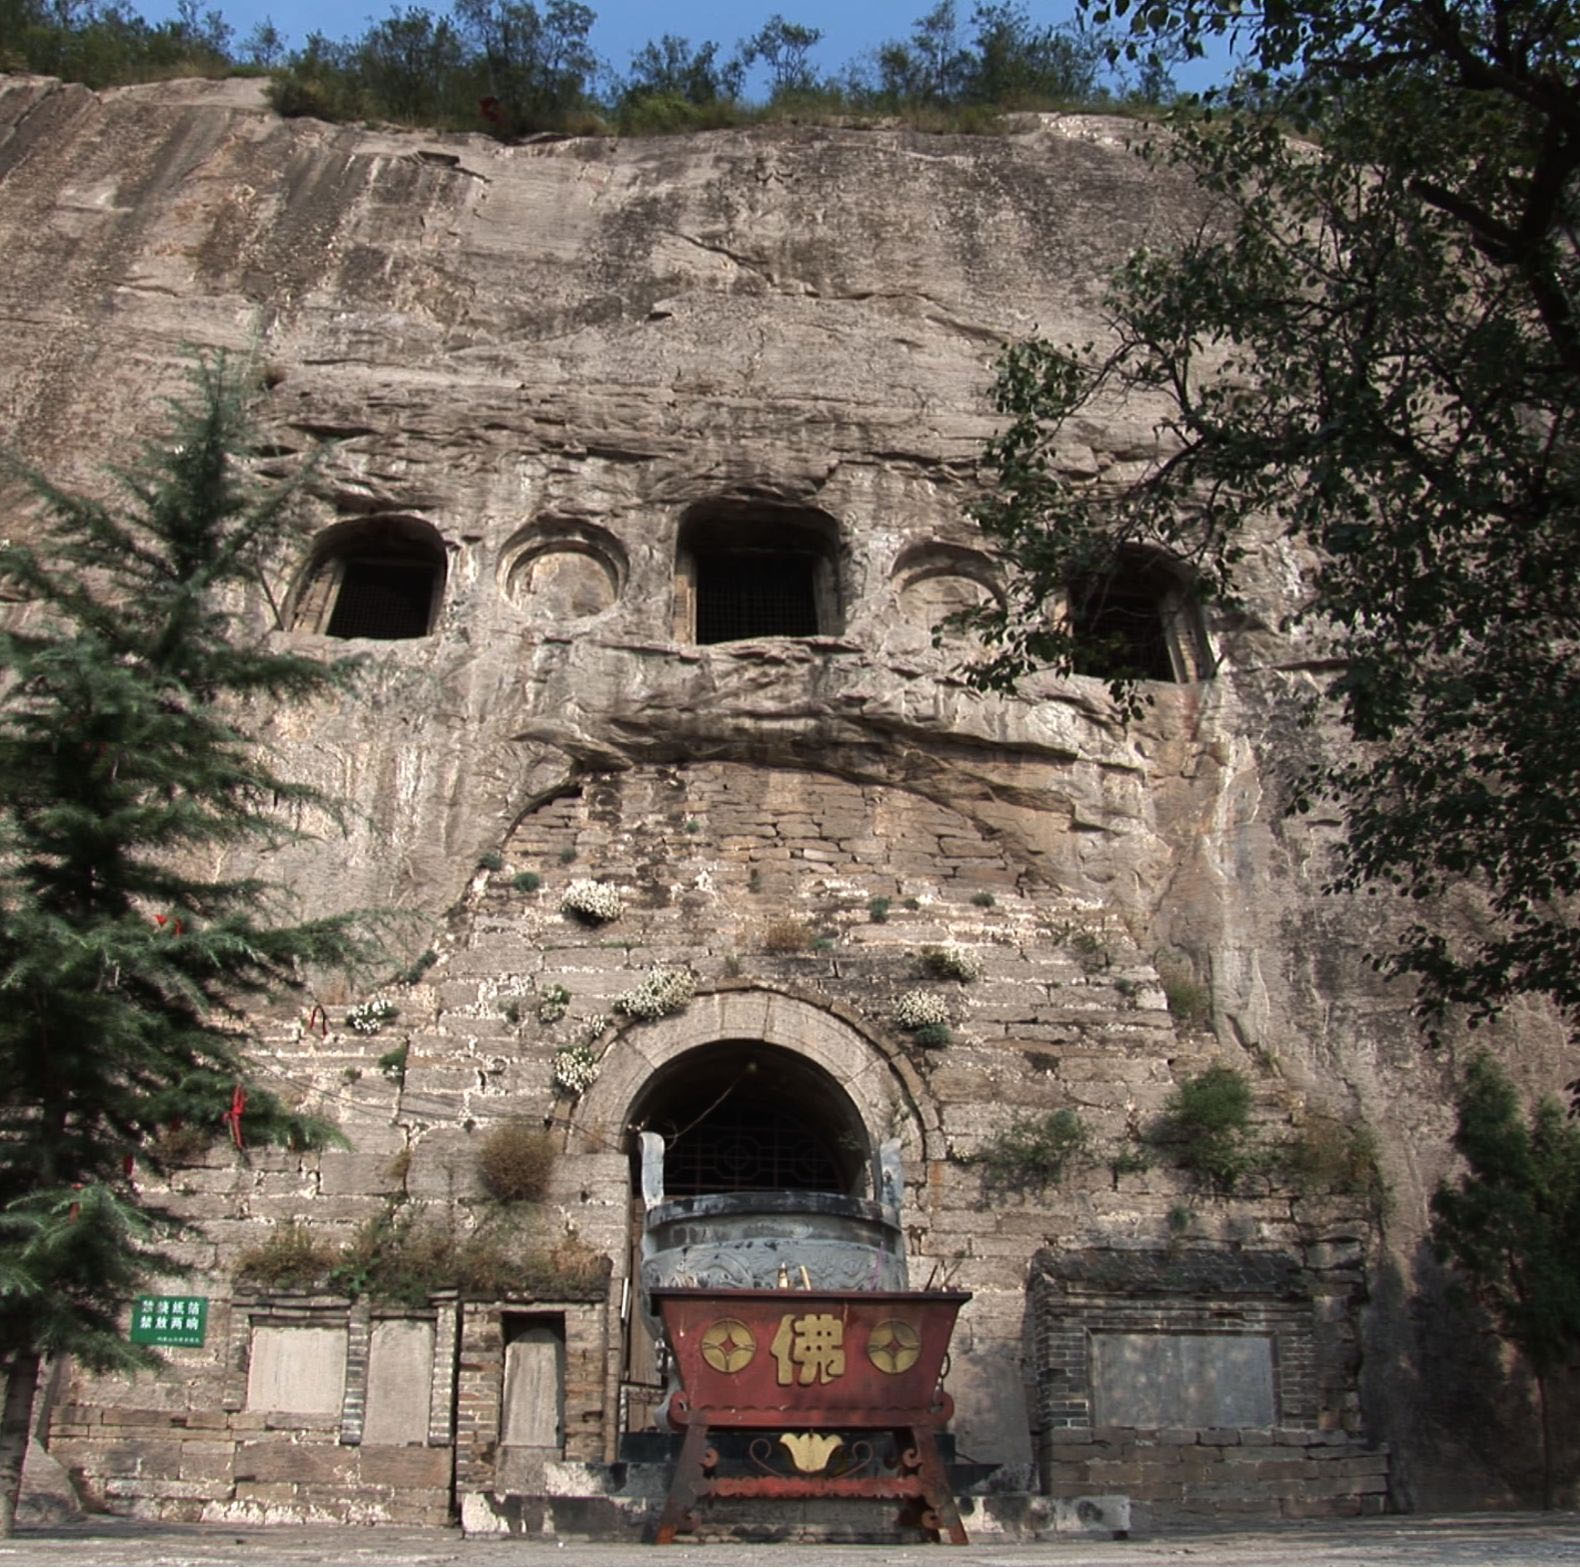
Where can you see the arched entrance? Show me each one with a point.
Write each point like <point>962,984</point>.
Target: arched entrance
<point>752,1090</point>
<point>745,1116</point>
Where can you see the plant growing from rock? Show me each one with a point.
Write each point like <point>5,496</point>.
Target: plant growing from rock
<point>404,1255</point>
<point>593,903</point>
<point>787,936</point>
<point>575,1068</point>
<point>370,1017</point>
<point>917,1008</point>
<point>1034,1152</point>
<point>878,910</point>
<point>1330,1154</point>
<point>553,1002</point>
<point>289,1258</point>
<point>1187,998</point>
<point>526,881</point>
<point>1206,1127</point>
<point>662,992</point>
<point>514,1162</point>
<point>393,1064</point>
<point>924,1016</point>
<point>419,966</point>
<point>950,963</point>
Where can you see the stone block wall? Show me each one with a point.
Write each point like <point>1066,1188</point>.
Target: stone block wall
<point>1186,1475</point>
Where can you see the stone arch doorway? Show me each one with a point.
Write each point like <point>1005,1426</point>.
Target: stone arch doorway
<point>751,1089</point>
<point>745,1116</point>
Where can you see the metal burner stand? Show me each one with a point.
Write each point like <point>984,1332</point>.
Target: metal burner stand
<point>811,1367</point>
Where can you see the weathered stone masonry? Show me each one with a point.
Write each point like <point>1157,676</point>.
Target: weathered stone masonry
<point>568,380</point>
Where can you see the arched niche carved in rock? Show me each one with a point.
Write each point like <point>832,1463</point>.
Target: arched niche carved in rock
<point>559,569</point>
<point>934,581</point>
<point>377,577</point>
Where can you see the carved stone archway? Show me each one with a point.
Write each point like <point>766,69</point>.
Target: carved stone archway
<point>884,1089</point>
<point>888,1093</point>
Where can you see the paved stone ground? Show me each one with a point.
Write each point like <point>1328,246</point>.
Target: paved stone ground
<point>1406,1539</point>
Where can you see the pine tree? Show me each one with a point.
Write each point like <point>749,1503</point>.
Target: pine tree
<point>127,670</point>
<point>1512,1227</point>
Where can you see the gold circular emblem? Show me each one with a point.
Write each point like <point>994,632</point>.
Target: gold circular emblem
<point>727,1345</point>
<point>893,1346</point>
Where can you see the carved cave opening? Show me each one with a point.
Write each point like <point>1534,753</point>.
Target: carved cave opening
<point>741,1116</point>
<point>1138,621</point>
<point>381,578</point>
<point>756,569</point>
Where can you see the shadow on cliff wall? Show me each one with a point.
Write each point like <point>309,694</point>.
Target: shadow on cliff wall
<point>1457,1404</point>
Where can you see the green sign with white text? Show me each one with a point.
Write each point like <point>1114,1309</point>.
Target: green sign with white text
<point>169,1320</point>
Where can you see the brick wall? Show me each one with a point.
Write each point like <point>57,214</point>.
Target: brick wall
<point>1189,1474</point>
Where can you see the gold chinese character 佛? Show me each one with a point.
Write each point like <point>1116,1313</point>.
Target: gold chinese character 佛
<point>813,1344</point>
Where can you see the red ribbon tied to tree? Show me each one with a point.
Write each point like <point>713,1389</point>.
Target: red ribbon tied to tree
<point>232,1117</point>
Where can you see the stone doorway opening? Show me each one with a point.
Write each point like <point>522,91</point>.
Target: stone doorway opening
<point>743,1116</point>
<point>739,1124</point>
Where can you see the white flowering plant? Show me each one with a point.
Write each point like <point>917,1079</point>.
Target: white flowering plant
<point>597,903</point>
<point>920,1009</point>
<point>371,1016</point>
<point>575,1068</point>
<point>951,963</point>
<point>664,991</point>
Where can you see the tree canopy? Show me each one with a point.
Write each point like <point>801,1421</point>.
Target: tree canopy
<point>126,764</point>
<point>518,67</point>
<point>1373,340</point>
<point>1510,1226</point>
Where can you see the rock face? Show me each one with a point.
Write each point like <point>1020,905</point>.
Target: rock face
<point>571,388</point>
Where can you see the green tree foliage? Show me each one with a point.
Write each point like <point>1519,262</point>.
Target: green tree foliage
<point>536,64</point>
<point>515,67</point>
<point>1009,63</point>
<point>1020,65</point>
<point>785,49</point>
<point>1511,1227</point>
<point>408,65</point>
<point>1375,340</point>
<point>125,766</point>
<point>671,68</point>
<point>105,45</point>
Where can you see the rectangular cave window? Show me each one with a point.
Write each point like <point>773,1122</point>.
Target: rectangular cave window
<point>1122,632</point>
<point>384,599</point>
<point>755,595</point>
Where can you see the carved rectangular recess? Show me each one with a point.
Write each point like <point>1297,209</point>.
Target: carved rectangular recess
<point>1164,1380</point>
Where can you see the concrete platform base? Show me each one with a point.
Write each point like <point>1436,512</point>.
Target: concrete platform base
<point>623,1501</point>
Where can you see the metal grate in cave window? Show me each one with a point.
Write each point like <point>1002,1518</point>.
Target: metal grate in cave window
<point>1121,633</point>
<point>755,596</point>
<point>750,1148</point>
<point>384,599</point>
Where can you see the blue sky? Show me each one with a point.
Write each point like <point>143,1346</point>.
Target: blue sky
<point>625,25</point>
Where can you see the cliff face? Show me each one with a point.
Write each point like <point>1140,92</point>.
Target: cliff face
<point>547,360</point>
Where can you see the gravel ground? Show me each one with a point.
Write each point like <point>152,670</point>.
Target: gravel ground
<point>1406,1539</point>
